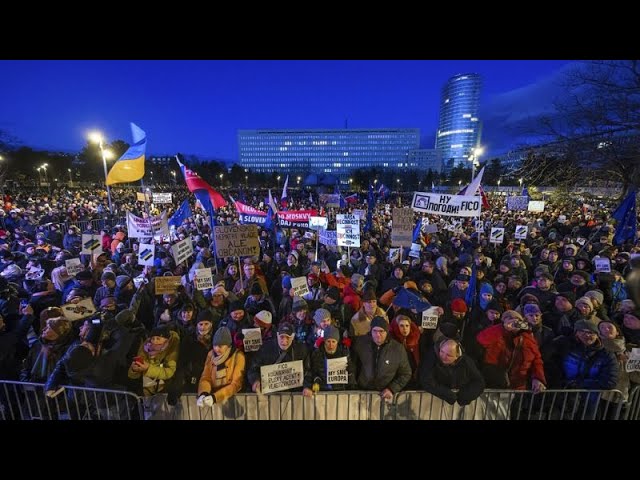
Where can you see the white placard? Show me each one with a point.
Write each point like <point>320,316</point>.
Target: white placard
<point>415,250</point>
<point>361,214</point>
<point>252,340</point>
<point>348,230</point>
<point>73,266</point>
<point>316,223</point>
<point>337,371</point>
<point>146,254</point>
<point>442,204</point>
<point>521,232</point>
<point>497,235</point>
<point>429,319</point>
<point>633,363</point>
<point>536,206</point>
<point>203,279</point>
<point>394,255</point>
<point>90,244</point>
<point>299,286</point>
<point>138,227</point>
<point>182,250</point>
<point>327,237</point>
<point>281,376</point>
<point>402,228</point>
<point>430,228</point>
<point>581,241</point>
<point>77,311</point>
<point>479,226</point>
<point>162,198</point>
<point>602,264</point>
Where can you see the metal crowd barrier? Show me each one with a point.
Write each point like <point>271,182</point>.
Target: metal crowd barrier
<point>514,405</point>
<point>348,405</point>
<point>27,401</point>
<point>97,224</point>
<point>633,404</point>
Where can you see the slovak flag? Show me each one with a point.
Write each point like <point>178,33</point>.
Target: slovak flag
<point>383,191</point>
<point>195,183</point>
<point>353,198</point>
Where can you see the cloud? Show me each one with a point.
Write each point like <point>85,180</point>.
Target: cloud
<point>513,117</point>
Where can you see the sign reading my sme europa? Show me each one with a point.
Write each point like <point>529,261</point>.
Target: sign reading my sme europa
<point>441,204</point>
<point>237,240</point>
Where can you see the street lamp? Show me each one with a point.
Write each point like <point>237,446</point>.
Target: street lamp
<point>459,182</point>
<point>520,180</point>
<point>221,175</point>
<point>39,176</point>
<point>44,167</point>
<point>70,178</point>
<point>278,181</point>
<point>246,181</point>
<point>96,137</point>
<point>298,180</point>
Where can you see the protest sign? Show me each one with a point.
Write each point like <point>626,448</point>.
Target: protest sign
<point>281,376</point>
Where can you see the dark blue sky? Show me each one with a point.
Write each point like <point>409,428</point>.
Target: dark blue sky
<point>196,107</point>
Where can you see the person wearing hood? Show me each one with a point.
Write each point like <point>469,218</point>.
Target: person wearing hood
<point>407,333</point>
<point>448,373</point>
<point>43,356</point>
<point>613,341</point>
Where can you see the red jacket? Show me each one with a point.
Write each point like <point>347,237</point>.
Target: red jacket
<point>499,349</point>
<point>352,298</point>
<point>410,343</point>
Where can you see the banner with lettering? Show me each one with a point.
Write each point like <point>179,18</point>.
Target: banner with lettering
<point>452,205</point>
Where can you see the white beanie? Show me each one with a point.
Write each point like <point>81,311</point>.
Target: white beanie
<point>264,316</point>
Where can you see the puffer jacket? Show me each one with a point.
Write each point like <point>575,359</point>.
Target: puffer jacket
<point>223,381</point>
<point>162,367</point>
<point>391,370</point>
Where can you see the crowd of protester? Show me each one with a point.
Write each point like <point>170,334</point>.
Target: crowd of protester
<point>538,315</point>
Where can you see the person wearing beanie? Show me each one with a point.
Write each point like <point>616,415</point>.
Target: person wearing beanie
<point>302,321</point>
<point>156,361</point>
<point>572,353</point>
<point>458,308</point>
<point>597,300</point>
<point>236,320</point>
<point>108,288</point>
<point>376,349</point>
<point>543,290</point>
<point>54,340</point>
<point>257,301</point>
<point>329,347</point>
<point>502,366</point>
<point>450,374</point>
<point>544,335</point>
<point>281,349</point>
<point>585,307</point>
<point>122,281</point>
<point>224,370</point>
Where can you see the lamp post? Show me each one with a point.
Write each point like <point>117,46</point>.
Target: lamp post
<point>298,181</point>
<point>70,177</point>
<point>39,176</point>
<point>278,181</point>
<point>96,137</point>
<point>520,181</point>
<point>221,175</point>
<point>44,167</point>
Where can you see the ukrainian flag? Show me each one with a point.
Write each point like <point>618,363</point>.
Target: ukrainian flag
<point>130,166</point>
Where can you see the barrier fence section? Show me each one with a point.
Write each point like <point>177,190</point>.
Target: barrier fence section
<point>28,401</point>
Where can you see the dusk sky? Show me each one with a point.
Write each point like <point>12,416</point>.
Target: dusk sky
<point>196,107</point>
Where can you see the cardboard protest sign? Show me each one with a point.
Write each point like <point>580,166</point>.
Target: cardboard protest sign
<point>281,376</point>
<point>429,319</point>
<point>497,235</point>
<point>73,266</point>
<point>402,227</point>
<point>167,284</point>
<point>237,240</point>
<point>146,254</point>
<point>182,250</point>
<point>603,264</point>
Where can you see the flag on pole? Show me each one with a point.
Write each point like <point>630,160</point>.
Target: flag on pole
<point>195,184</point>
<point>283,200</point>
<point>371,203</point>
<point>485,200</point>
<point>417,231</point>
<point>130,166</point>
<point>524,192</point>
<point>383,191</point>
<point>472,188</point>
<point>353,198</point>
<point>625,214</point>
<point>183,212</point>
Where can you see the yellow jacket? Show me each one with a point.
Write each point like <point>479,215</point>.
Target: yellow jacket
<point>225,380</point>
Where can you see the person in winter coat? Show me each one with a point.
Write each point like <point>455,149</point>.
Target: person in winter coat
<point>224,370</point>
<point>156,362</point>
<point>511,357</point>
<point>381,362</point>
<point>407,333</point>
<point>329,347</point>
<point>446,368</point>
<point>10,343</point>
<point>43,356</point>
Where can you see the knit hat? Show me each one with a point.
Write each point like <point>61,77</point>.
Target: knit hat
<point>486,288</point>
<point>458,305</point>
<point>295,254</point>
<point>122,280</point>
<point>160,332</point>
<point>595,294</point>
<point>531,309</point>
<point>237,305</point>
<point>380,322</point>
<point>205,316</point>
<point>222,337</point>
<point>582,273</point>
<point>84,275</point>
<point>320,315</point>
<point>345,270</point>
<point>220,290</point>
<point>568,295</point>
<point>286,282</point>
<point>584,325</point>
<point>107,302</point>
<point>546,275</point>
<point>263,318</point>
<point>60,325</point>
<point>541,269</point>
<point>494,305</point>
<point>463,277</point>
<point>125,318</point>
<point>331,332</point>
<point>333,292</point>
<point>584,300</point>
<point>108,276</point>
<point>313,277</point>
<point>299,303</point>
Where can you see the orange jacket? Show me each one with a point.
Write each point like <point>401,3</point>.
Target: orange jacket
<point>226,380</point>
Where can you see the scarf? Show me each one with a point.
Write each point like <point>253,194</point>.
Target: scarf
<point>220,359</point>
<point>154,350</point>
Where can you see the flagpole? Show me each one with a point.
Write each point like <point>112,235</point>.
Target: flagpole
<point>146,208</point>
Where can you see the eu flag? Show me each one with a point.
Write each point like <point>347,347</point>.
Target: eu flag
<point>625,214</point>
<point>181,214</point>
